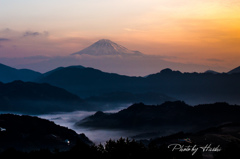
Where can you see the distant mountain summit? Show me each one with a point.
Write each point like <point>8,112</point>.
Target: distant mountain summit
<point>106,47</point>
<point>235,70</point>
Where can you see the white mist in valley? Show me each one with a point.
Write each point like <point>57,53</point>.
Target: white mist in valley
<point>68,119</point>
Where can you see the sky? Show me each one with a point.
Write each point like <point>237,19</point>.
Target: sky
<point>188,31</point>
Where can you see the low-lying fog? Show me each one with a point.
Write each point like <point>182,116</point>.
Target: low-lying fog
<point>68,119</point>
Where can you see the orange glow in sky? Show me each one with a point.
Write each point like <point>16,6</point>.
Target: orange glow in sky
<point>196,31</point>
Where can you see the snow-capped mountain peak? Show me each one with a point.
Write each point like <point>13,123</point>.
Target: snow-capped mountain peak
<point>106,47</point>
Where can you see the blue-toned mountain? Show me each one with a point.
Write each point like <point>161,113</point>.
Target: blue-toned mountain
<point>9,74</point>
<point>34,98</point>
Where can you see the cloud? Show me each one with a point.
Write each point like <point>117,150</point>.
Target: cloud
<point>35,34</point>
<point>4,39</point>
<point>29,33</point>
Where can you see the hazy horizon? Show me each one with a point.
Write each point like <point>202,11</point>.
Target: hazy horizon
<point>197,32</point>
<point>128,65</point>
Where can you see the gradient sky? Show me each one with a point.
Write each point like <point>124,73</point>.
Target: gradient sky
<point>188,31</point>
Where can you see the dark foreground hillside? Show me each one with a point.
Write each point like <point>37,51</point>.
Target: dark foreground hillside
<point>221,143</point>
<point>32,133</point>
<point>31,137</point>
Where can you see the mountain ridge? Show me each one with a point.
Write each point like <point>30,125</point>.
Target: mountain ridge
<point>35,98</point>
<point>9,74</point>
<point>167,115</point>
<point>194,88</point>
<point>235,70</point>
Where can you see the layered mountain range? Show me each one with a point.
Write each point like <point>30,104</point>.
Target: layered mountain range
<point>93,86</point>
<point>194,88</point>
<point>82,88</point>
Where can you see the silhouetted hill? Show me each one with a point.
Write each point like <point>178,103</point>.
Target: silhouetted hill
<point>60,68</point>
<point>102,88</point>
<point>31,97</point>
<point>235,70</point>
<point>169,115</point>
<point>87,82</point>
<point>194,88</point>
<point>9,74</point>
<point>32,133</point>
